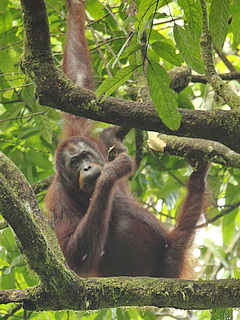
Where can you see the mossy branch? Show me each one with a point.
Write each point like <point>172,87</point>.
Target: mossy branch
<point>195,149</point>
<point>95,294</point>
<point>54,90</point>
<point>60,289</point>
<point>19,208</point>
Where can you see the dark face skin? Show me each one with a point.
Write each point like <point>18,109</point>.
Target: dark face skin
<point>82,165</point>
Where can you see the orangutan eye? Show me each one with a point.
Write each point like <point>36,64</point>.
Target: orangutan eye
<point>74,161</point>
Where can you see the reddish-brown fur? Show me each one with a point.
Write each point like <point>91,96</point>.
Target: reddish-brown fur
<point>105,232</point>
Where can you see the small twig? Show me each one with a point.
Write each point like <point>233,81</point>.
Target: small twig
<point>11,44</point>
<point>12,101</point>
<point>224,76</point>
<point>55,10</point>
<point>101,54</point>
<point>10,74</point>
<point>105,42</point>
<point>24,117</point>
<point>220,215</point>
<point>90,23</point>
<point>18,87</point>
<point>11,312</point>
<point>225,60</point>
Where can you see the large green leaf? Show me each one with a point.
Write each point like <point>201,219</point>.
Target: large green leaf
<point>236,22</point>
<point>112,84</point>
<point>192,12</point>
<point>222,314</point>
<point>167,52</point>
<point>5,21</point>
<point>95,8</point>
<point>44,128</point>
<point>228,227</point>
<point>218,21</point>
<point>164,98</point>
<point>189,50</point>
<point>3,6</point>
<point>145,12</point>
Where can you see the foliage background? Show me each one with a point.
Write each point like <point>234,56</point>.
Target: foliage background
<point>29,132</point>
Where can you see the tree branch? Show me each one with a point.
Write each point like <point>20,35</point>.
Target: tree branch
<point>94,294</point>
<point>61,289</point>
<point>59,93</point>
<point>42,185</point>
<point>13,295</point>
<point>19,208</point>
<point>224,76</point>
<point>55,91</point>
<point>194,148</point>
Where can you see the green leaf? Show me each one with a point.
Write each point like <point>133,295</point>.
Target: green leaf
<point>6,63</point>
<point>164,98</point>
<point>5,21</point>
<point>3,6</point>
<point>95,8</point>
<point>236,21</point>
<point>145,13</point>
<point>146,8</point>
<point>4,263</point>
<point>217,251</point>
<point>228,226</point>
<point>27,133</point>
<point>134,47</point>
<point>185,100</point>
<point>170,186</point>
<point>192,12</point>
<point>124,46</point>
<point>222,314</point>
<point>18,261</point>
<point>189,50</point>
<point>149,315</point>
<point>218,21</point>
<point>112,84</point>
<point>167,52</point>
<point>44,127</point>
<point>12,111</point>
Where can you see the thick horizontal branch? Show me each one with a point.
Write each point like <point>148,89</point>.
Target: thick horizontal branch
<point>195,148</point>
<point>56,91</point>
<point>95,294</point>
<point>53,90</point>
<point>61,289</point>
<point>13,295</point>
